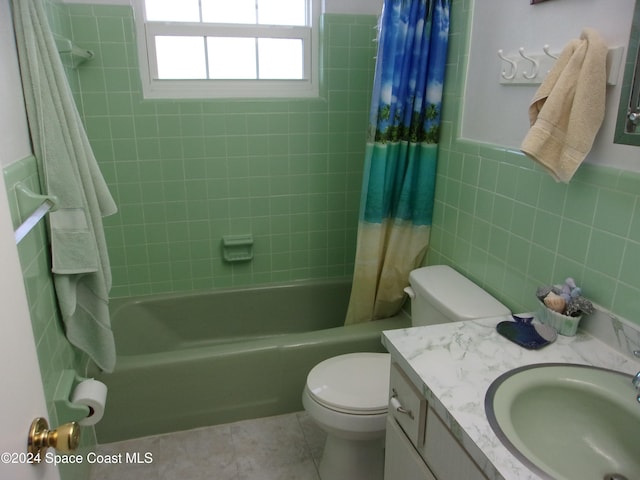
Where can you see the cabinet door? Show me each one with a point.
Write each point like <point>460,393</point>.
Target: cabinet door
<point>401,460</point>
<point>444,455</point>
<point>410,400</point>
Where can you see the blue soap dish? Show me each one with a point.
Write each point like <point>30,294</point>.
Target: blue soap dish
<point>526,333</point>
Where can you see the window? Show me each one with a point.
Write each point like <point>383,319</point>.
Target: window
<point>222,48</point>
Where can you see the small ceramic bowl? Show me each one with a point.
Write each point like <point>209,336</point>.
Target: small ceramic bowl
<point>564,325</point>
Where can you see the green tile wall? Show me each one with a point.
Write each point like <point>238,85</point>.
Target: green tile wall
<point>185,173</point>
<point>55,353</point>
<point>504,221</point>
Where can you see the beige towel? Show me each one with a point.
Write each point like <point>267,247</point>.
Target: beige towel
<point>567,110</point>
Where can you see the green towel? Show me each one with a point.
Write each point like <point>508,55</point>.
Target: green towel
<point>68,170</point>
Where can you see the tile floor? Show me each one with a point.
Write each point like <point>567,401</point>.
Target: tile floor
<point>284,447</point>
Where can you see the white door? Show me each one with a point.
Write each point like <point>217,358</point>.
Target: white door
<point>21,392</point>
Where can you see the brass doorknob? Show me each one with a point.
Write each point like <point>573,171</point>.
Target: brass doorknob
<point>64,439</point>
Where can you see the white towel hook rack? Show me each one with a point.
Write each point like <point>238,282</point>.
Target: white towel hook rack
<point>546,50</point>
<point>514,67</point>
<point>526,68</point>
<point>535,66</point>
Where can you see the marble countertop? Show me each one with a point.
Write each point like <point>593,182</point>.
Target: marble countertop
<point>453,364</point>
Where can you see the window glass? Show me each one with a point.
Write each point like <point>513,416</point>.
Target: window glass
<point>172,11</point>
<point>180,57</point>
<point>231,58</point>
<point>225,11</point>
<point>242,48</point>
<point>280,58</point>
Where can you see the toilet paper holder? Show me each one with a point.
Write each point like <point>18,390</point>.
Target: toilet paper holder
<point>67,411</point>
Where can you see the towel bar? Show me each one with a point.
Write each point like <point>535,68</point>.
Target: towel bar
<point>78,54</point>
<point>27,200</point>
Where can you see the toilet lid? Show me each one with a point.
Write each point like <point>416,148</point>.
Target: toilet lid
<point>354,383</point>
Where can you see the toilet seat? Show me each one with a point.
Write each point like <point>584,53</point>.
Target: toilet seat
<point>354,383</point>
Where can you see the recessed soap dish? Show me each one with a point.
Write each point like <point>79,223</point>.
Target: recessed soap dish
<point>237,248</point>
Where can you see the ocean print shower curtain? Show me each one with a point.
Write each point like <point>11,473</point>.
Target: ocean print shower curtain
<point>401,153</point>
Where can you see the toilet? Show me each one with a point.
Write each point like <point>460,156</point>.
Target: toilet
<point>347,395</point>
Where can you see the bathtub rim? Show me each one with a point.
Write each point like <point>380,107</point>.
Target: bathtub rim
<point>118,303</point>
<point>293,340</point>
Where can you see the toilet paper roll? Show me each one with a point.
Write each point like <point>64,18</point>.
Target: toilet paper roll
<point>93,394</point>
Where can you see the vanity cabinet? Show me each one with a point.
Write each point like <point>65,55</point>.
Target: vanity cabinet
<point>402,461</point>
<point>419,446</point>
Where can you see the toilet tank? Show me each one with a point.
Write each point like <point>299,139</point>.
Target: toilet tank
<point>439,294</point>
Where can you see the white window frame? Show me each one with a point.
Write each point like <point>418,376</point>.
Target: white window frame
<point>153,87</point>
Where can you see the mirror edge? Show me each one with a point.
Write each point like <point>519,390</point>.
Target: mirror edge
<point>631,69</point>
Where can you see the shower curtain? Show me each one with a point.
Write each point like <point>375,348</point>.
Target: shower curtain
<point>401,152</point>
<point>68,170</point>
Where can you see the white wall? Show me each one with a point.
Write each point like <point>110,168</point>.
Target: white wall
<point>14,134</point>
<point>497,114</point>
